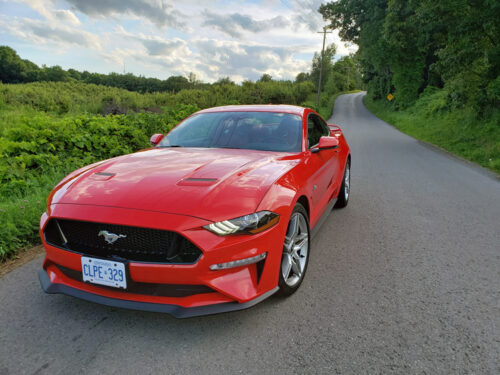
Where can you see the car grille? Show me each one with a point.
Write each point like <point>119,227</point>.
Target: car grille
<point>135,243</point>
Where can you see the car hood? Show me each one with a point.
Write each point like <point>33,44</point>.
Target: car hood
<point>213,184</point>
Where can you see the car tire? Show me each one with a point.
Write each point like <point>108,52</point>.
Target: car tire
<point>296,248</point>
<point>345,189</point>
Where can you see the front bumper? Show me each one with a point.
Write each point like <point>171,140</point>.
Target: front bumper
<point>175,310</point>
<point>231,289</point>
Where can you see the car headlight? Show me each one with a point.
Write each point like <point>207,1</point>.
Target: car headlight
<point>250,224</point>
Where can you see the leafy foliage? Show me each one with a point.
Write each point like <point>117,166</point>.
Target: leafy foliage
<point>457,131</point>
<point>344,76</point>
<point>13,69</point>
<point>327,65</point>
<point>35,154</point>
<point>48,129</point>
<point>406,46</point>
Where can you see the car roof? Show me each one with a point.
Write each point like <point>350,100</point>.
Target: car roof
<point>256,108</point>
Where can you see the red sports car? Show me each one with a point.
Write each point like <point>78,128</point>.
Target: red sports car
<point>216,217</point>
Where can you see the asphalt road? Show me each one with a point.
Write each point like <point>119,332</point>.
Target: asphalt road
<point>405,280</point>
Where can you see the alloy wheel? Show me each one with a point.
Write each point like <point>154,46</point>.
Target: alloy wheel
<point>347,182</point>
<point>295,250</point>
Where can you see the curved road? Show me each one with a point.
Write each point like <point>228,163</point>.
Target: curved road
<point>405,280</point>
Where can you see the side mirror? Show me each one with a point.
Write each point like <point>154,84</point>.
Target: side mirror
<point>334,130</point>
<point>155,139</point>
<point>326,143</point>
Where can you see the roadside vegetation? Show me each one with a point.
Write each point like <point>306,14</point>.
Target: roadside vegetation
<point>54,121</point>
<point>441,63</point>
<point>459,131</point>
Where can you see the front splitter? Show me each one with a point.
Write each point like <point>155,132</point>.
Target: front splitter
<point>174,310</point>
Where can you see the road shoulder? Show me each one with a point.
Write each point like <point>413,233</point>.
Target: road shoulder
<point>22,257</point>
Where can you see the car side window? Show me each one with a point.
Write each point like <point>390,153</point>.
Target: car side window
<point>316,128</point>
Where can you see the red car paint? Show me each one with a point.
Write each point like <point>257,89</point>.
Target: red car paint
<point>183,189</point>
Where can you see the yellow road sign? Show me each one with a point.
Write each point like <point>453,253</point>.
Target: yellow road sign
<point>390,97</point>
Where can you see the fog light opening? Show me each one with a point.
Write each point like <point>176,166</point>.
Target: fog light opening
<point>238,263</point>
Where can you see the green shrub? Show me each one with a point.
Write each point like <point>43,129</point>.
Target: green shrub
<point>459,131</point>
<point>41,145</point>
<point>48,129</point>
<point>40,150</point>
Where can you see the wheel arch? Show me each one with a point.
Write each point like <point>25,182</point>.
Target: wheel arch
<point>304,202</point>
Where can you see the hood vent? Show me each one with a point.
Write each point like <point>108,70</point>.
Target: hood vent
<point>103,176</point>
<point>197,182</point>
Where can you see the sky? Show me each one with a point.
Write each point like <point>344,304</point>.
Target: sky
<point>240,39</point>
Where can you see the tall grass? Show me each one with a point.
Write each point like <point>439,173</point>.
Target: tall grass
<point>48,129</point>
<point>460,131</point>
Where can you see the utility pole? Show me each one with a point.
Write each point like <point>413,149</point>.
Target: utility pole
<point>348,77</point>
<point>324,32</point>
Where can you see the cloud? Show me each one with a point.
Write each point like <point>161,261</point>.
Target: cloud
<point>66,16</point>
<point>156,45</point>
<point>47,10</point>
<point>161,48</point>
<point>43,32</point>
<point>306,13</point>
<point>209,59</point>
<point>234,24</point>
<point>277,37</point>
<point>153,53</point>
<point>234,59</point>
<point>159,12</point>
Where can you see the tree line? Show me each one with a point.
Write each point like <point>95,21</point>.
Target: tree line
<point>409,46</point>
<point>338,76</point>
<point>14,69</point>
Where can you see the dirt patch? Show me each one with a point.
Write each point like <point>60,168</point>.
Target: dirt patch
<point>22,257</point>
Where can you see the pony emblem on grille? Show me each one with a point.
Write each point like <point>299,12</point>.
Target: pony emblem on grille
<point>110,237</point>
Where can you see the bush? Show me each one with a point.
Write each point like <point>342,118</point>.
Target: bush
<point>38,152</point>
<point>42,145</point>
<point>48,129</point>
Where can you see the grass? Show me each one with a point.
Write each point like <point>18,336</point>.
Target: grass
<point>458,131</point>
<point>19,216</point>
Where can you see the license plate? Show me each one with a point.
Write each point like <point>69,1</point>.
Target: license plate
<point>104,272</point>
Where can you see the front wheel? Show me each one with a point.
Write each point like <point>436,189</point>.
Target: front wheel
<point>345,189</point>
<point>295,255</point>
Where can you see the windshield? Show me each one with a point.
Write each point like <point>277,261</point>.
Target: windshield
<point>267,131</point>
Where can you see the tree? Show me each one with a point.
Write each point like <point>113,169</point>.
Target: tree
<point>193,81</point>
<point>55,74</point>
<point>75,74</point>
<point>31,71</point>
<point>406,46</point>
<point>302,77</point>
<point>327,64</point>
<point>344,76</point>
<point>175,84</point>
<point>12,67</point>
<point>265,78</point>
<point>224,81</point>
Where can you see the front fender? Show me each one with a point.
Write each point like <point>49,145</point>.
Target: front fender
<point>282,197</point>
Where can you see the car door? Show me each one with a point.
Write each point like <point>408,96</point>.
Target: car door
<point>323,166</point>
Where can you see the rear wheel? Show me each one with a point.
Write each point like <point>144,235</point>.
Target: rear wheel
<point>345,189</point>
<point>295,255</point>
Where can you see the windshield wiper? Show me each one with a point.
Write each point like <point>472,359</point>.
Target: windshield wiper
<point>171,146</point>
<point>236,148</point>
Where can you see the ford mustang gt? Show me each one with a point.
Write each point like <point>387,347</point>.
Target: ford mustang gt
<point>216,216</point>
